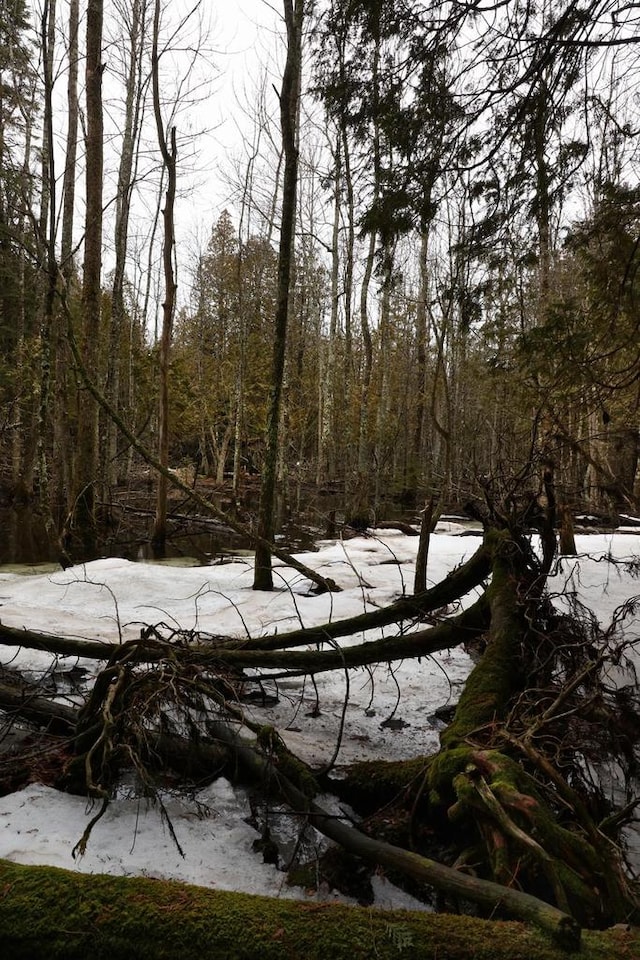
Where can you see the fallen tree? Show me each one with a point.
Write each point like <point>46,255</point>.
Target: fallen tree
<point>509,800</point>
<point>52,914</point>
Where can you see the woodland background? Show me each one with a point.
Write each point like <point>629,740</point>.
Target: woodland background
<point>463,288</point>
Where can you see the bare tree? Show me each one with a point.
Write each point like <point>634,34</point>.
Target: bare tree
<point>47,231</point>
<point>62,440</point>
<point>134,17</point>
<point>169,154</point>
<point>71,149</point>
<point>86,464</point>
<point>289,103</point>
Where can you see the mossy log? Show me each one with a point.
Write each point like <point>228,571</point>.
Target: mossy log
<point>495,796</point>
<point>52,914</point>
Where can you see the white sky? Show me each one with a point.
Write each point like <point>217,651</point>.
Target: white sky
<point>246,37</point>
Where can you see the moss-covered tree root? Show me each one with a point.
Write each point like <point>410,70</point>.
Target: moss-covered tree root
<point>561,858</point>
<point>52,914</point>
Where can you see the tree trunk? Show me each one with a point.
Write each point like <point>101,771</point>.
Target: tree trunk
<point>86,464</point>
<point>417,465</point>
<point>328,387</point>
<point>289,100</point>
<point>364,453</point>
<point>48,235</point>
<point>169,154</point>
<point>71,149</point>
<point>133,105</point>
<point>65,426</point>
<point>429,519</point>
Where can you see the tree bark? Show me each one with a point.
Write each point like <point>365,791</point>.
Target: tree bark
<point>86,463</point>
<point>71,149</point>
<point>429,520</point>
<point>136,35</point>
<point>63,426</point>
<point>289,105</point>
<point>169,155</point>
<point>48,235</point>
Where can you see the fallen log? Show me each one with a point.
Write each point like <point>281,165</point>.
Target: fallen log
<point>52,914</point>
<point>399,525</point>
<point>24,700</point>
<point>457,584</point>
<point>443,636</point>
<point>56,645</point>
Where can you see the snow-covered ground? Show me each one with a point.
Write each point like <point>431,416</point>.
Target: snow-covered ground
<point>111,599</point>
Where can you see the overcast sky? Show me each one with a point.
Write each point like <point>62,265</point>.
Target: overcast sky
<point>246,36</point>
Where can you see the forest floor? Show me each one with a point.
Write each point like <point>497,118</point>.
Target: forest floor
<point>381,713</point>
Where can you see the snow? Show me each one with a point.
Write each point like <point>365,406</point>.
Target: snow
<point>111,599</point>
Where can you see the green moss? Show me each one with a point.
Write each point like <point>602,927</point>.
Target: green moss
<point>574,861</point>
<point>488,689</point>
<point>443,770</point>
<point>498,676</point>
<point>50,914</point>
<point>375,783</point>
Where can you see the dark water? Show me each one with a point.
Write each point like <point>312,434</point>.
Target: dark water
<point>24,538</point>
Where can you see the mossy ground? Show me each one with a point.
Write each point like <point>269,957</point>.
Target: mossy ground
<point>50,913</point>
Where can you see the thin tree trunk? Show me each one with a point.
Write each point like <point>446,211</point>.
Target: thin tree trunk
<point>87,445</point>
<point>71,150</point>
<point>123,207</point>
<point>63,440</point>
<point>417,452</point>
<point>383,400</point>
<point>327,380</point>
<point>289,100</point>
<point>365,395</point>
<point>169,154</point>
<point>48,234</point>
<point>21,483</point>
